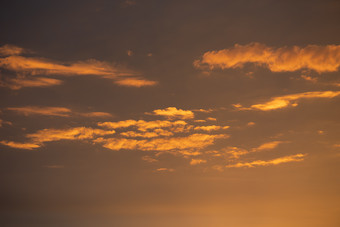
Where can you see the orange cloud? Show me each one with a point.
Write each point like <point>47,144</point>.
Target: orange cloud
<point>27,146</point>
<point>288,100</point>
<point>135,82</point>
<point>197,161</point>
<point>8,50</point>
<point>163,144</point>
<point>277,161</point>
<point>49,111</point>
<point>54,111</point>
<point>210,128</point>
<point>173,112</point>
<point>267,146</point>
<point>142,125</point>
<point>313,57</point>
<point>36,66</point>
<point>95,114</point>
<point>149,159</point>
<point>78,133</point>
<point>165,170</point>
<point>20,82</point>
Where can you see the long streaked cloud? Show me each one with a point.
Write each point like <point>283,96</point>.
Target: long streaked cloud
<point>277,161</point>
<point>142,125</point>
<point>77,133</point>
<point>313,57</point>
<point>236,152</point>
<point>8,50</point>
<point>22,81</point>
<point>288,100</point>
<point>173,112</point>
<point>35,110</point>
<point>48,135</point>
<point>26,146</point>
<point>54,111</point>
<point>27,67</point>
<point>162,144</point>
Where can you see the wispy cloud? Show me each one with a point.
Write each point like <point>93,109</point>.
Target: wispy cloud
<point>165,170</point>
<point>32,66</point>
<point>197,161</point>
<point>313,57</point>
<point>22,81</point>
<point>288,100</point>
<point>8,50</point>
<point>142,125</point>
<point>78,133</point>
<point>210,128</point>
<point>54,111</point>
<point>277,161</point>
<point>162,144</point>
<point>173,112</point>
<point>49,111</point>
<point>27,146</point>
<point>135,82</point>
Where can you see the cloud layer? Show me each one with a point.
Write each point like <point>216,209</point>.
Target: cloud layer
<point>313,57</point>
<point>27,68</point>
<point>288,100</point>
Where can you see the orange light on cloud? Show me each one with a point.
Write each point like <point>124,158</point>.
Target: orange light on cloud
<point>173,112</point>
<point>277,161</point>
<point>288,100</point>
<point>318,58</point>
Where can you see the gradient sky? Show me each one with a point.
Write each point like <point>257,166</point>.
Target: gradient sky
<point>170,113</point>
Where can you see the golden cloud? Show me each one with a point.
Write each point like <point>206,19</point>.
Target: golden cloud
<point>210,128</point>
<point>27,146</point>
<point>163,144</point>
<point>54,111</point>
<point>135,82</point>
<point>78,133</point>
<point>277,161</point>
<point>288,100</point>
<point>49,111</point>
<point>313,57</point>
<point>197,161</point>
<point>142,125</point>
<point>8,50</point>
<point>173,112</point>
<point>20,82</point>
<point>35,66</point>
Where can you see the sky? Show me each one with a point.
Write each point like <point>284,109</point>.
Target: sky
<point>183,113</point>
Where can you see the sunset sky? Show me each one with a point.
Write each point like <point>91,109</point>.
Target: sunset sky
<point>150,113</point>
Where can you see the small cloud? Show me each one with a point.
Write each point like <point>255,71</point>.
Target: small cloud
<point>149,55</point>
<point>21,82</point>
<point>277,161</point>
<point>173,112</point>
<point>211,119</point>
<point>309,78</point>
<point>27,146</point>
<point>8,50</point>
<point>197,161</point>
<point>321,132</point>
<point>135,82</point>
<point>288,100</point>
<point>149,159</point>
<point>95,114</point>
<point>165,170</point>
<point>48,111</point>
<point>250,123</point>
<point>129,53</point>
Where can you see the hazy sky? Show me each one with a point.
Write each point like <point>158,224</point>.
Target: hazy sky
<point>134,113</point>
